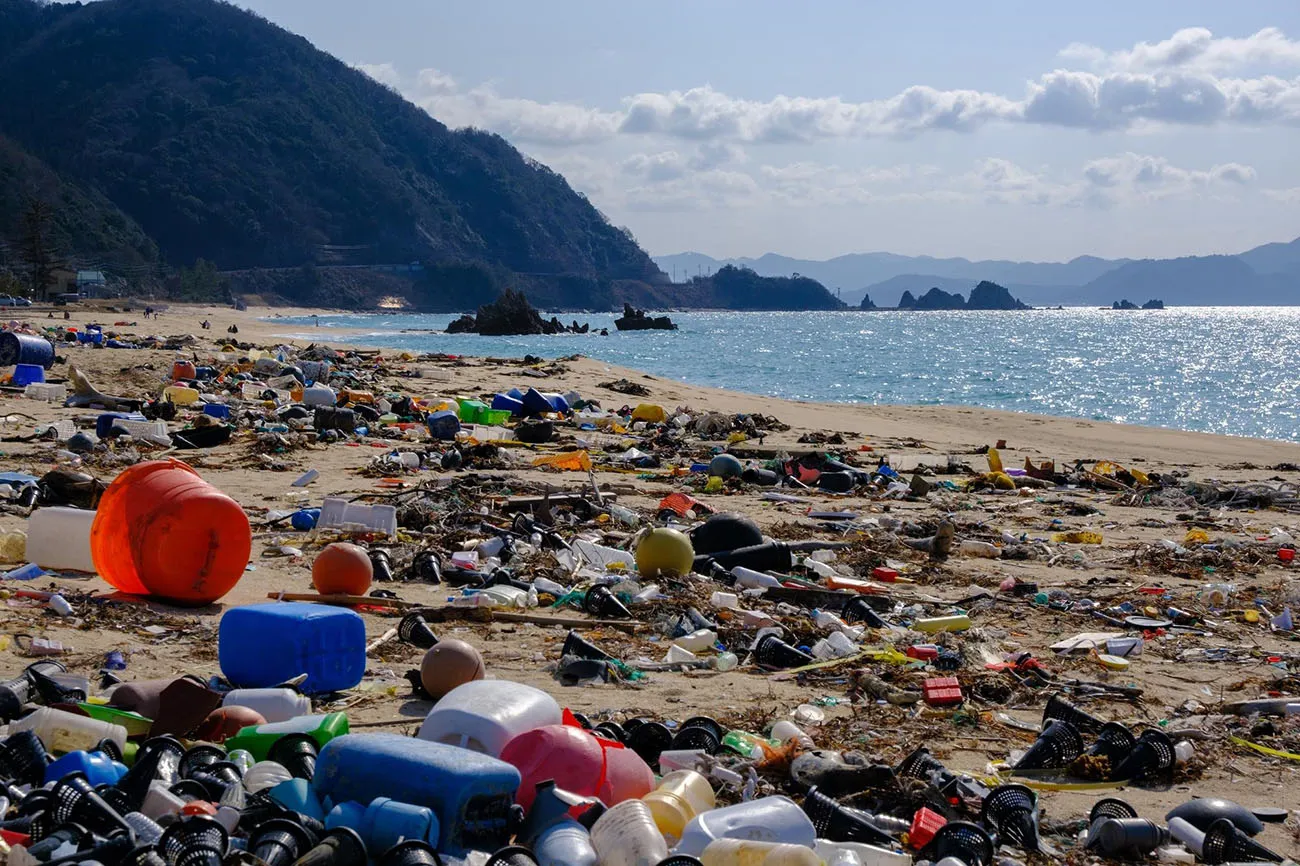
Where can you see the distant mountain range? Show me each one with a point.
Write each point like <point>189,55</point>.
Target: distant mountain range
<point>1266,275</point>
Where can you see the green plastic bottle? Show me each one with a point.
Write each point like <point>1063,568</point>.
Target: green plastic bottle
<point>259,739</point>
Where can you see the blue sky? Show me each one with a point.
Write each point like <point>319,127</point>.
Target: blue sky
<point>1012,129</point>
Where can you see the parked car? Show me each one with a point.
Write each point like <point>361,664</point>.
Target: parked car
<point>66,298</point>
<point>10,301</point>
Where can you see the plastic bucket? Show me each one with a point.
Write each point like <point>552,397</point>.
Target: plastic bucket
<point>28,374</point>
<point>25,349</point>
<point>162,530</point>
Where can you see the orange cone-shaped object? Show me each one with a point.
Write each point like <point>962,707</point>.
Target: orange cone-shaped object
<point>163,531</point>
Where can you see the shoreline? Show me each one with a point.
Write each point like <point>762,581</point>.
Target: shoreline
<point>1012,418</point>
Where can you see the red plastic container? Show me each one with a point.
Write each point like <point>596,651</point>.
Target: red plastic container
<point>924,651</point>
<point>925,824</point>
<point>942,692</point>
<point>884,575</point>
<point>163,531</point>
<point>1286,554</point>
<point>579,762</point>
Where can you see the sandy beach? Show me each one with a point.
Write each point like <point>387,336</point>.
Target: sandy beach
<point>1180,688</point>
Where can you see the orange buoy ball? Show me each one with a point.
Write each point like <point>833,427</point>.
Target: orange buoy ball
<point>450,663</point>
<point>342,568</point>
<point>225,722</point>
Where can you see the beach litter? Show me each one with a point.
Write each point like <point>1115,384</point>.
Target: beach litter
<point>514,627</point>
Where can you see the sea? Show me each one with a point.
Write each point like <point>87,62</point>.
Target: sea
<point>1230,370</point>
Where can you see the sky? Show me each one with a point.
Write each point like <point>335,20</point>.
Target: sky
<point>1023,130</point>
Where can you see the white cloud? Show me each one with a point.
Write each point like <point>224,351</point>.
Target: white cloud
<point>1290,195</point>
<point>1183,80</point>
<point>1154,177</point>
<point>1194,48</point>
<point>384,73</point>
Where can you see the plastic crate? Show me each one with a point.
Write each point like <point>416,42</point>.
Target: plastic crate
<point>339,514</point>
<point>46,391</point>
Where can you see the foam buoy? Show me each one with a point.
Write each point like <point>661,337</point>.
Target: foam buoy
<point>450,663</point>
<point>225,722</point>
<point>725,466</point>
<point>726,532</point>
<point>664,550</point>
<point>342,568</point>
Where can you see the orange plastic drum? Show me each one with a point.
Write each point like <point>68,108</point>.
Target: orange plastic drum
<point>163,531</point>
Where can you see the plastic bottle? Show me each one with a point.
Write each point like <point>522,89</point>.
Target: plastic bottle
<point>626,835</point>
<point>566,843</point>
<point>625,516</point>
<point>67,732</point>
<point>681,796</point>
<point>259,739</point>
<point>697,641</point>
<point>860,854</point>
<point>820,569</point>
<point>747,578</point>
<point>742,852</point>
<point>981,549</point>
<point>274,705</point>
<point>835,645</point>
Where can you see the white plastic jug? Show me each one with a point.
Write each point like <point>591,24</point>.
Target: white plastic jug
<point>484,715</point>
<point>68,732</point>
<point>59,538</point>
<point>768,819</point>
<point>274,705</point>
<point>697,641</point>
<point>741,852</point>
<point>626,835</point>
<point>681,796</point>
<point>319,395</point>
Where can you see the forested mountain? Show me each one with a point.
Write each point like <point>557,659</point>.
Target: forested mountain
<point>203,130</point>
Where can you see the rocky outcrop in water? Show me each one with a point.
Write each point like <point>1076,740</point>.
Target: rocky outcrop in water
<point>935,299</point>
<point>1126,304</point>
<point>991,296</point>
<point>637,320</point>
<point>511,315</point>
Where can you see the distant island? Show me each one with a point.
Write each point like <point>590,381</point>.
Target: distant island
<point>985,296</point>
<point>1126,304</point>
<point>1263,275</point>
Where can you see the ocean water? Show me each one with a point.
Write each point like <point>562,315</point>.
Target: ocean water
<point>1230,370</point>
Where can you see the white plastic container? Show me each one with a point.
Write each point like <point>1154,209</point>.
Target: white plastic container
<point>59,539</point>
<point>697,641</point>
<point>274,705</point>
<point>787,730</point>
<point>626,835</point>
<point>726,600</point>
<point>319,395</point>
<point>484,715</point>
<point>159,802</point>
<point>67,732</point>
<point>859,854</point>
<point>336,513</point>
<point>681,796</point>
<point>47,391</point>
<point>142,429</point>
<point>742,852</point>
<point>768,819</point>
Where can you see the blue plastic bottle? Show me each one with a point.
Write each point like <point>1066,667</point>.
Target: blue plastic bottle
<point>262,645</point>
<point>385,822</point>
<point>471,794</point>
